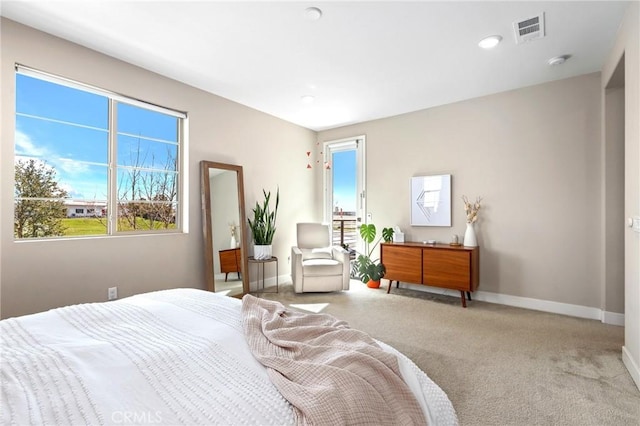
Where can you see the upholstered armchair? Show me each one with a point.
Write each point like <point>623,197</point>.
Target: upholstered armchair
<point>315,264</point>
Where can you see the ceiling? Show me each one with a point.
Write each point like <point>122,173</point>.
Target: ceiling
<point>360,61</point>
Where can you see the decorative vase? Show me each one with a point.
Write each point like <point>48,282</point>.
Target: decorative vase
<point>233,243</point>
<point>470,236</point>
<point>262,252</point>
<point>373,284</point>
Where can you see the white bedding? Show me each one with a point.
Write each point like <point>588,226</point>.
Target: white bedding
<point>168,357</point>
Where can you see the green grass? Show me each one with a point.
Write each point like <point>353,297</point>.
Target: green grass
<point>93,226</point>
<point>84,226</point>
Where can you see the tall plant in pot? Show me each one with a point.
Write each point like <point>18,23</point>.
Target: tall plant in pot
<point>370,271</point>
<point>263,225</point>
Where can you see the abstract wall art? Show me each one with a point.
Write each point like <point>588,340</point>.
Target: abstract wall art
<point>431,200</point>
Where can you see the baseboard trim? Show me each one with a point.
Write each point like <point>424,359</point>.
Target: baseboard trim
<point>530,303</point>
<point>613,318</point>
<point>631,366</point>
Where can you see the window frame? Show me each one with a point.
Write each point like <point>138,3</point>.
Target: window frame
<point>113,99</point>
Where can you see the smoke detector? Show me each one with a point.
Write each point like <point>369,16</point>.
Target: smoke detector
<point>529,29</point>
<point>558,60</point>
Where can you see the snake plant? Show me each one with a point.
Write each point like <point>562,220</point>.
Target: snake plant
<point>263,226</point>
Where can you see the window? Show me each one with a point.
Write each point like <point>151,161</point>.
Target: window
<point>78,146</point>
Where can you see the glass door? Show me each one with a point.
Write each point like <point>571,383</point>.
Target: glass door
<point>344,185</point>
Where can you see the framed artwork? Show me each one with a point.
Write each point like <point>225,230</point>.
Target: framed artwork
<point>431,200</point>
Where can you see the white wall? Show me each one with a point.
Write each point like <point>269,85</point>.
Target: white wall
<point>628,44</point>
<point>533,154</point>
<point>613,199</point>
<point>38,275</point>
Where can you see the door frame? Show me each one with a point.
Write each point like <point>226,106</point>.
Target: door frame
<point>361,202</point>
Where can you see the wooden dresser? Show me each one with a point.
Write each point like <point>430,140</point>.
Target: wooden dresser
<point>230,261</point>
<point>437,265</point>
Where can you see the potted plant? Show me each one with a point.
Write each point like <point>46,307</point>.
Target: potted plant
<point>263,226</point>
<point>371,271</point>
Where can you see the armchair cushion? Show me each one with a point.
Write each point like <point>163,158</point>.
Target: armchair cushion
<point>316,253</point>
<point>320,267</point>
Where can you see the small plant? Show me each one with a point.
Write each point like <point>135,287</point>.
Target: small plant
<point>367,268</point>
<point>263,226</point>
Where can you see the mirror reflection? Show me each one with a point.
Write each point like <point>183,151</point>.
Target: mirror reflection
<point>223,215</point>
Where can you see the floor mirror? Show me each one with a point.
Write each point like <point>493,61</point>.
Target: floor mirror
<point>223,220</point>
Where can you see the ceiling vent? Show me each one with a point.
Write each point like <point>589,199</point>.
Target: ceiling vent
<point>529,29</point>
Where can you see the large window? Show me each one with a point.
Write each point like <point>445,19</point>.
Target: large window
<point>91,162</point>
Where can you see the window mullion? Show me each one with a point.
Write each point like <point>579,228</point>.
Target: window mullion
<point>113,170</point>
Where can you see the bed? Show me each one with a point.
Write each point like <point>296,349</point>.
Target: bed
<point>168,357</point>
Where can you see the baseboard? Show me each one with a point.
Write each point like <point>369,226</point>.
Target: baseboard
<point>530,303</point>
<point>613,318</point>
<point>631,366</point>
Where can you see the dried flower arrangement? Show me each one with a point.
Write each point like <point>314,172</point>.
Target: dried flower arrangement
<point>471,209</point>
<point>232,228</point>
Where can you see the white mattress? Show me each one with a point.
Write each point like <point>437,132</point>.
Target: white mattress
<point>168,357</point>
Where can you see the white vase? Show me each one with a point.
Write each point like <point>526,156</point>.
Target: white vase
<point>261,252</point>
<point>470,236</point>
<point>233,244</point>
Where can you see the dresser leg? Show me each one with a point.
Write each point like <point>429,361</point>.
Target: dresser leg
<point>463,298</point>
<point>468,295</point>
<point>389,288</point>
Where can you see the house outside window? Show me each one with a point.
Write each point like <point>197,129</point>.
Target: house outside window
<point>81,150</point>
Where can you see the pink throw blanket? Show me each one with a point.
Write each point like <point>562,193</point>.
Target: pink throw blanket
<point>330,373</point>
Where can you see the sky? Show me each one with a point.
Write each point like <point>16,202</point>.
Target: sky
<point>68,129</point>
<point>344,180</point>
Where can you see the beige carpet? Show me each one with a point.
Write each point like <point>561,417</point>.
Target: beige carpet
<point>499,365</point>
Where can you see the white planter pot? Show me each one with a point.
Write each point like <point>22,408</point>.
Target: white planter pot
<point>262,252</point>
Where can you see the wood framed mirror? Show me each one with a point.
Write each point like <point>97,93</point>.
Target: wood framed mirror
<point>223,219</point>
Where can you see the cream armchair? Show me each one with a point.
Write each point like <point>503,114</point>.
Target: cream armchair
<point>315,264</point>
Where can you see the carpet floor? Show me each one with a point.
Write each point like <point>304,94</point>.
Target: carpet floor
<point>498,364</point>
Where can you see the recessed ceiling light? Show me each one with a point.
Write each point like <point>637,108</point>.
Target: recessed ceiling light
<point>558,60</point>
<point>313,13</point>
<point>307,99</point>
<point>490,42</point>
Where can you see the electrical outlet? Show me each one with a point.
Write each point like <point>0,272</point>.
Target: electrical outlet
<point>113,293</point>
